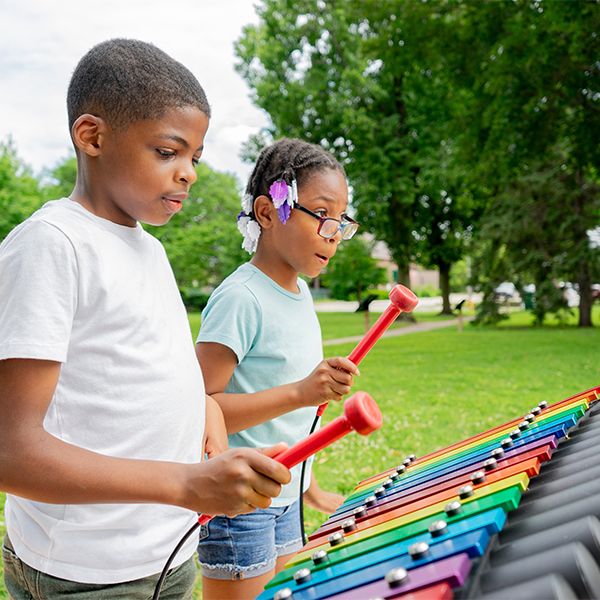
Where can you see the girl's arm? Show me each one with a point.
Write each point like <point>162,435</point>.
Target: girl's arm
<point>215,432</point>
<point>320,499</point>
<point>330,380</point>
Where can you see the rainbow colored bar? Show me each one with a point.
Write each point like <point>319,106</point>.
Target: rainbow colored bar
<point>415,530</point>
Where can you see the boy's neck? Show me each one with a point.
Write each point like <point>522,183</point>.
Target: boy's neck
<point>82,194</point>
<point>281,273</point>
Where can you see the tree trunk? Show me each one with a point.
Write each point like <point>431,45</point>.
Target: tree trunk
<point>584,278</point>
<point>403,274</point>
<point>404,279</point>
<point>585,296</point>
<point>444,269</point>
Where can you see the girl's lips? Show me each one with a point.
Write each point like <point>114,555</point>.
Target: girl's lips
<point>322,258</point>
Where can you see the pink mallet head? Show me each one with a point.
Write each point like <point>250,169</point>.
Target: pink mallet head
<point>362,413</point>
<point>402,298</point>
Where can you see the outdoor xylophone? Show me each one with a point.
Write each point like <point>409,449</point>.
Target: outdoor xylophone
<point>474,520</point>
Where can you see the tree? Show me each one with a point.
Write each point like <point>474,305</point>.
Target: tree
<point>61,179</point>
<point>532,127</point>
<point>535,226</point>
<point>353,271</point>
<point>366,80</point>
<point>19,189</point>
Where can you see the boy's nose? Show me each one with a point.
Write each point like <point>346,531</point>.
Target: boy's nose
<point>187,174</point>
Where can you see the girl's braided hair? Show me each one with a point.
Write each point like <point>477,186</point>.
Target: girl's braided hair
<point>287,159</point>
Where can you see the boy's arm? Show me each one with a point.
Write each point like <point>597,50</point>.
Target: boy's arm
<point>330,380</point>
<point>37,465</point>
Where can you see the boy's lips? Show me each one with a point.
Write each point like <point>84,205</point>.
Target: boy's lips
<point>175,201</point>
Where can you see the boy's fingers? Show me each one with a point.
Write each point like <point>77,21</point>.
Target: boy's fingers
<point>271,468</point>
<point>265,487</point>
<point>273,450</point>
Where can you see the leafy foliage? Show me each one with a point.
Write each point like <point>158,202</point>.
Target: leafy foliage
<point>19,189</point>
<point>532,137</point>
<point>368,81</point>
<point>440,110</point>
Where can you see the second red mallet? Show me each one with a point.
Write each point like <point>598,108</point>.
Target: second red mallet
<point>401,300</point>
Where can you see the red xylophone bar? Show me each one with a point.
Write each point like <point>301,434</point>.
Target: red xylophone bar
<point>361,414</point>
<point>402,300</point>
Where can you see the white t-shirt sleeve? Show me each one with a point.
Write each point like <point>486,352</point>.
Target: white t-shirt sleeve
<point>38,292</point>
<point>232,318</point>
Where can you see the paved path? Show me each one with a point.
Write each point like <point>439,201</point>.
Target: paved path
<point>433,304</point>
<point>417,327</point>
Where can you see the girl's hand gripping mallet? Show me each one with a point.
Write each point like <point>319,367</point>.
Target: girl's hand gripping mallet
<point>402,300</point>
<point>361,414</point>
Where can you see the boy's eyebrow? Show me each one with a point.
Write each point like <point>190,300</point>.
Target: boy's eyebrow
<point>180,140</point>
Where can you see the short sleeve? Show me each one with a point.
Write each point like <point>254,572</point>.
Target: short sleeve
<point>232,317</point>
<point>38,292</point>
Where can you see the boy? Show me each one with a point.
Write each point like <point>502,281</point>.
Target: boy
<point>101,397</point>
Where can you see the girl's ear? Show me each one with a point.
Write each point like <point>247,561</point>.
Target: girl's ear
<point>264,212</point>
<point>88,133</point>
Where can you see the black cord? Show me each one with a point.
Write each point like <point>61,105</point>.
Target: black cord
<point>165,570</point>
<point>301,494</point>
<point>195,526</point>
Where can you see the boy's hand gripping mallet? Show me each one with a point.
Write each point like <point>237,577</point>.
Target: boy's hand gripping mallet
<point>361,414</point>
<point>402,300</point>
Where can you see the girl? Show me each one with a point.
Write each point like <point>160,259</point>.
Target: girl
<point>260,349</point>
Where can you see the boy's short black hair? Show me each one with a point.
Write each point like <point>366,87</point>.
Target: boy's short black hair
<point>124,81</point>
<point>289,158</point>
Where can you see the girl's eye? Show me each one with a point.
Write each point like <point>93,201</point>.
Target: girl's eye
<point>165,153</point>
<point>322,213</point>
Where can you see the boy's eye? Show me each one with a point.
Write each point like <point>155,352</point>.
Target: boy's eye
<point>195,160</point>
<point>165,153</point>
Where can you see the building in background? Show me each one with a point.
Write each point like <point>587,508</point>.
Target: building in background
<point>419,276</point>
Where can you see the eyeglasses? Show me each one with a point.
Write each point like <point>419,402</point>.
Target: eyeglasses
<point>328,226</point>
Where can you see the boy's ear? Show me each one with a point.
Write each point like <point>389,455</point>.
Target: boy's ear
<point>264,211</point>
<point>88,133</point>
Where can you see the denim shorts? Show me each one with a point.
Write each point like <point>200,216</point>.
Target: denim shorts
<point>26,583</point>
<point>249,545</point>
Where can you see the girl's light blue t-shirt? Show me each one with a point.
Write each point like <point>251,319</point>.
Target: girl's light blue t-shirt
<point>276,337</point>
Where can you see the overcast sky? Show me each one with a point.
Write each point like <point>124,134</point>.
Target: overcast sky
<point>42,41</point>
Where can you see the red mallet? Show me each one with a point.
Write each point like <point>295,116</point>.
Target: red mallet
<point>361,414</point>
<point>402,300</point>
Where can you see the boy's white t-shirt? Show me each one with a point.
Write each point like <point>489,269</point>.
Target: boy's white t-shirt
<point>101,299</point>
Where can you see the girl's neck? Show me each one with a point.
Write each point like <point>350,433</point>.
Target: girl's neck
<point>279,271</point>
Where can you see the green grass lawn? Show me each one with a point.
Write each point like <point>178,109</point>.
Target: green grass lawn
<point>439,387</point>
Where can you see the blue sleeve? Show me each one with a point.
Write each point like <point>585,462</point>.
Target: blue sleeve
<point>232,317</point>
